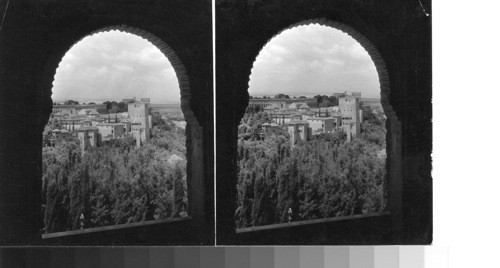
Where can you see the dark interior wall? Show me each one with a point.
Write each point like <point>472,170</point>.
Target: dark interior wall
<point>401,33</point>
<point>34,38</point>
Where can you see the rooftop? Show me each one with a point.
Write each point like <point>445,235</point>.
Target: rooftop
<point>348,97</point>
<point>109,124</point>
<point>320,118</point>
<point>111,115</point>
<point>297,122</point>
<point>82,129</point>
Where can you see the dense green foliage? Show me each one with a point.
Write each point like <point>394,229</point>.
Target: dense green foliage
<point>113,107</point>
<point>326,101</point>
<point>325,177</point>
<point>71,102</point>
<point>281,96</point>
<point>115,183</point>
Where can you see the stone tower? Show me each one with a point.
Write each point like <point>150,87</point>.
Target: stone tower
<point>88,137</point>
<point>139,116</point>
<point>349,108</point>
<point>299,130</point>
<point>357,95</point>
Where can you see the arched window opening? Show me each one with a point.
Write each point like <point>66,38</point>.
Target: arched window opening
<point>114,148</point>
<point>312,142</point>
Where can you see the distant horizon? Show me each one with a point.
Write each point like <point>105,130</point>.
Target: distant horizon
<point>101,101</point>
<point>310,97</point>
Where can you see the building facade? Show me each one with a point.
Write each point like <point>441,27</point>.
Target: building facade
<point>140,120</point>
<point>299,130</point>
<point>109,131</point>
<point>60,136</point>
<point>92,128</point>
<point>88,137</point>
<point>349,107</point>
<point>60,110</point>
<point>347,116</point>
<point>322,124</point>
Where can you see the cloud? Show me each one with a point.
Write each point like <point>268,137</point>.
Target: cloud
<point>313,59</point>
<point>115,65</point>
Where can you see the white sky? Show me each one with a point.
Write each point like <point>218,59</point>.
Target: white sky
<point>313,59</point>
<point>113,66</point>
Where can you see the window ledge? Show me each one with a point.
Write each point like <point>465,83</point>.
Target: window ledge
<point>113,227</point>
<point>307,222</point>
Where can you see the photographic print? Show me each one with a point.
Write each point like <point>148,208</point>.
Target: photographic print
<point>323,122</point>
<point>110,136</point>
<point>311,144</point>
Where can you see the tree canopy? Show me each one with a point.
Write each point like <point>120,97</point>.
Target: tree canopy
<point>281,96</point>
<point>325,177</point>
<point>71,102</point>
<point>115,183</point>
